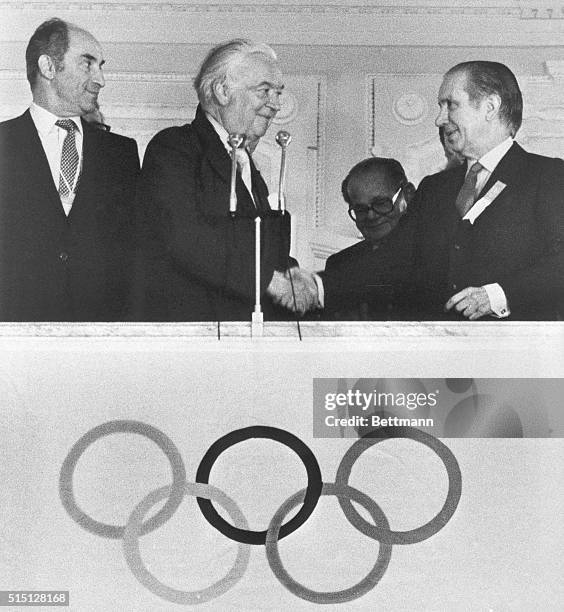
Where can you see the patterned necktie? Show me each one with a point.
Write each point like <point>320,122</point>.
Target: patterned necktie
<point>467,194</point>
<point>69,159</point>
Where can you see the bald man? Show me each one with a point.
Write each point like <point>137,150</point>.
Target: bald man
<point>366,281</point>
<point>66,191</point>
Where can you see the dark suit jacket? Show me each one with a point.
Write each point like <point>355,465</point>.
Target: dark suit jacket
<point>518,241</point>
<point>59,268</point>
<point>366,282</point>
<point>199,263</point>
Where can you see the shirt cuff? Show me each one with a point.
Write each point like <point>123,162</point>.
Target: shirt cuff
<point>498,301</point>
<point>320,290</point>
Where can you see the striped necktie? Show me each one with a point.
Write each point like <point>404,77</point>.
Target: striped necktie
<point>68,179</point>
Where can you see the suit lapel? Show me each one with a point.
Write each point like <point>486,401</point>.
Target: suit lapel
<point>214,151</point>
<point>33,157</point>
<point>509,169</point>
<point>216,156</point>
<point>446,195</point>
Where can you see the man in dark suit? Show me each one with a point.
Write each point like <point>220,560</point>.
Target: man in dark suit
<point>367,280</point>
<point>199,259</point>
<point>490,233</point>
<point>66,191</point>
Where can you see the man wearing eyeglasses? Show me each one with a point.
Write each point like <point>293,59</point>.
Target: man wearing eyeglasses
<point>366,281</point>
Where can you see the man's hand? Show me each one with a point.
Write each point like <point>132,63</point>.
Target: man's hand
<point>472,303</point>
<point>305,290</point>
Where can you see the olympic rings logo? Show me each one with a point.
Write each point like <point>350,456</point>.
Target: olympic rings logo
<point>238,530</point>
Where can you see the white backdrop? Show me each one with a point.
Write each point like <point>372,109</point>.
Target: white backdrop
<point>502,549</point>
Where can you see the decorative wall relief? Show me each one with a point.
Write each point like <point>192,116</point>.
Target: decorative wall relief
<point>410,108</point>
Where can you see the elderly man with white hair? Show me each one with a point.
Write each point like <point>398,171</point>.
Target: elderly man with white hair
<point>200,259</point>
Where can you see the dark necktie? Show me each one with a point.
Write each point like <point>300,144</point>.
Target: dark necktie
<point>467,194</point>
<point>69,159</point>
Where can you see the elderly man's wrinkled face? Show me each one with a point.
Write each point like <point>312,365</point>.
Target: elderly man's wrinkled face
<point>376,205</point>
<point>255,87</point>
<point>464,121</point>
<point>78,83</point>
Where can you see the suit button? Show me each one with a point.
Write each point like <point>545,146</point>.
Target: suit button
<point>454,286</point>
<point>63,256</point>
<point>457,247</point>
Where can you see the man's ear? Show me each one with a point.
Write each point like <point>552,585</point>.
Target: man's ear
<point>221,92</point>
<point>493,104</point>
<point>46,66</point>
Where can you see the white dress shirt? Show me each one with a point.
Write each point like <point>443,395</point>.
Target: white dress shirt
<point>241,154</point>
<point>52,138</point>
<point>489,162</point>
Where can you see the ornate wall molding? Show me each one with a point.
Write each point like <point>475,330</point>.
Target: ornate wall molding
<point>320,149</point>
<point>289,104</point>
<point>505,9</point>
<point>346,22</point>
<point>136,77</point>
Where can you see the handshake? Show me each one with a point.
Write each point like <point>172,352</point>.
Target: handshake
<point>295,289</point>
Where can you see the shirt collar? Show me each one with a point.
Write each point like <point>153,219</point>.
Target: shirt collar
<point>45,120</point>
<point>492,158</point>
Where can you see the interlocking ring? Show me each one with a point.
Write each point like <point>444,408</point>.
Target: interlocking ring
<point>313,490</point>
<point>132,553</point>
<point>328,597</point>
<point>239,532</point>
<point>428,529</point>
<point>105,530</point>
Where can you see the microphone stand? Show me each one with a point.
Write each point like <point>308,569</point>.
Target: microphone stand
<point>236,141</point>
<point>283,139</point>
<point>257,320</point>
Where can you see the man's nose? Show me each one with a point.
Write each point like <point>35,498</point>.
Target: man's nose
<point>98,77</point>
<point>442,117</point>
<point>274,101</point>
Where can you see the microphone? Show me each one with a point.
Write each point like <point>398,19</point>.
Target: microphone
<point>283,138</point>
<point>235,142</point>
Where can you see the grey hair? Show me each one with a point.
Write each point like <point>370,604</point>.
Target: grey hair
<point>220,61</point>
<point>51,38</point>
<point>484,78</point>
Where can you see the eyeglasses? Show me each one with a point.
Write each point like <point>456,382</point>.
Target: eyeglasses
<point>381,207</point>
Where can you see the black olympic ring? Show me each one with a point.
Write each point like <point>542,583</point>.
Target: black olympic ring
<point>313,490</point>
<point>424,531</point>
<point>140,571</point>
<point>66,492</point>
<point>328,597</point>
